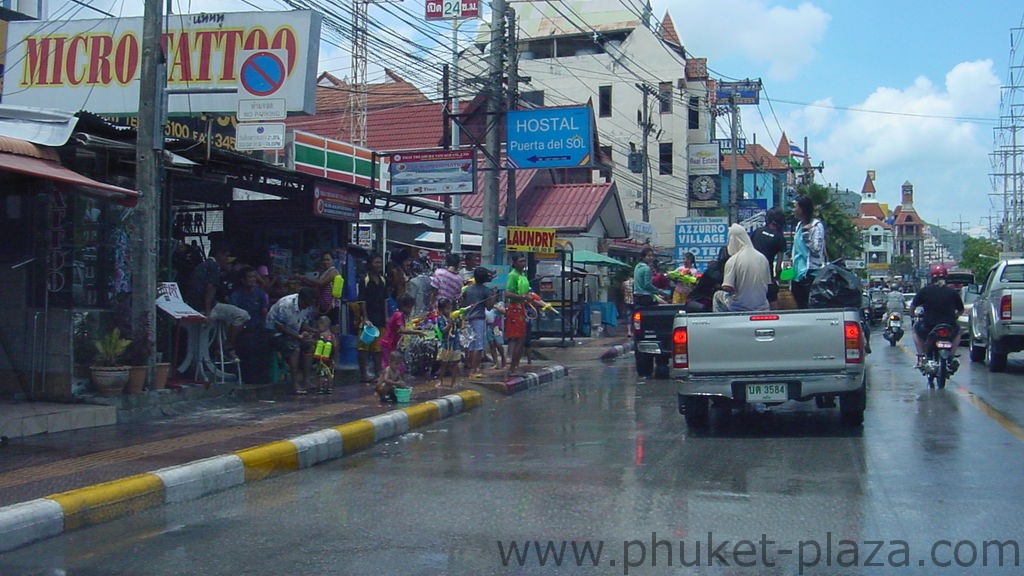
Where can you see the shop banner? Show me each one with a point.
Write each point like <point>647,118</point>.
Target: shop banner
<point>433,172</point>
<point>537,240</point>
<point>335,203</point>
<point>335,160</point>
<point>95,65</point>
<point>704,192</point>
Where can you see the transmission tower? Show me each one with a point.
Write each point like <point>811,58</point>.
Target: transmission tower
<point>357,97</point>
<point>1008,149</point>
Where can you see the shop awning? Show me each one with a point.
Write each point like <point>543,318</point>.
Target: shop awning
<point>51,170</point>
<point>588,257</point>
<point>437,238</point>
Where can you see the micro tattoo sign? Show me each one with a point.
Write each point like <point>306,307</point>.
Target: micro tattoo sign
<point>95,65</point>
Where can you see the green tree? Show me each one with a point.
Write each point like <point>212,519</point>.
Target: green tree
<point>842,238</point>
<point>978,255</point>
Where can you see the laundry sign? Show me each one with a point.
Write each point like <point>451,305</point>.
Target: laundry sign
<point>523,239</point>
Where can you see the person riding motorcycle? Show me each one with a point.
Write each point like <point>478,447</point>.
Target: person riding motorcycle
<point>942,305</point>
<point>894,302</point>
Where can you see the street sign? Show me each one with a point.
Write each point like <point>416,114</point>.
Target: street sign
<point>449,9</point>
<point>550,138</point>
<point>748,92</point>
<point>261,109</point>
<point>335,203</point>
<point>855,264</point>
<point>262,72</point>
<point>260,136</point>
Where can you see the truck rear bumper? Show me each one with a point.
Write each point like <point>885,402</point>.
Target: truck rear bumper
<point>650,347</point>
<point>799,386</point>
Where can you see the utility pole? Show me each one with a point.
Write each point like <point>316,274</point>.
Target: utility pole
<point>456,220</point>
<point>646,126</point>
<point>511,201</point>
<point>734,192</point>
<point>357,98</point>
<point>960,237</point>
<point>489,243</point>
<point>149,147</point>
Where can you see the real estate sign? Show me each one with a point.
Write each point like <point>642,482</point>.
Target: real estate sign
<point>95,65</point>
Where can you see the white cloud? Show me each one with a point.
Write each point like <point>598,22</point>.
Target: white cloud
<point>779,38</point>
<point>925,135</point>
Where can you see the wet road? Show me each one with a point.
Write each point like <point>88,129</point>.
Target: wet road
<point>931,484</point>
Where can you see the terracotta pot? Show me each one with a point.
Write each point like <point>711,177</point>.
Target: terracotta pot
<point>160,372</point>
<point>110,380</point>
<point>136,379</point>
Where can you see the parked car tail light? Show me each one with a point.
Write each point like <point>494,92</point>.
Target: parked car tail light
<point>1006,308</point>
<point>680,348</point>
<point>636,321</point>
<point>854,346</point>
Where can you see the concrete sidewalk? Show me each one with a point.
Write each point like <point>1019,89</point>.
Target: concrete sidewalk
<point>58,481</point>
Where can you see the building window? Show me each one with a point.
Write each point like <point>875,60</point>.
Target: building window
<point>665,158</point>
<point>604,101</point>
<point>535,97</point>
<point>694,113</point>
<point>606,153</point>
<point>665,97</point>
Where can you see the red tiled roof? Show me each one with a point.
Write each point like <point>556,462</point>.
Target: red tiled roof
<point>564,206</point>
<point>872,210</point>
<point>865,223</point>
<point>754,153</point>
<point>900,217</point>
<point>395,92</point>
<point>410,127</point>
<point>668,30</point>
<point>473,204</point>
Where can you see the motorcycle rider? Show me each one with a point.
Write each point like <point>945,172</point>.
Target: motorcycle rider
<point>942,305</point>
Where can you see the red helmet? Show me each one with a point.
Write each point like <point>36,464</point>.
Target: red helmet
<point>939,271</point>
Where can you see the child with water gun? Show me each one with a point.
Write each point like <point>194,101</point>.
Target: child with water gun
<point>323,355</point>
<point>449,355</point>
<point>396,328</point>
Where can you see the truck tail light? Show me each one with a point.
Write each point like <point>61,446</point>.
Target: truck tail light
<point>680,348</point>
<point>1006,308</point>
<point>636,321</point>
<point>854,346</point>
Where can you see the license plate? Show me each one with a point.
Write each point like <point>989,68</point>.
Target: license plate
<point>649,347</point>
<point>943,344</point>
<point>767,393</point>
<point>895,324</point>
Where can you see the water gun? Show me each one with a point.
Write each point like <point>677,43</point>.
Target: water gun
<point>457,314</point>
<point>539,302</point>
<point>323,350</point>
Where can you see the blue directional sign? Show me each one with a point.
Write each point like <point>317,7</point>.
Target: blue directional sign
<point>550,138</point>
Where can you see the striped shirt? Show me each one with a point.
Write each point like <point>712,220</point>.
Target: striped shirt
<point>447,283</point>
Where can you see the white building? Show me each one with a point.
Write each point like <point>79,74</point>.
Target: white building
<point>876,232</point>
<point>600,54</point>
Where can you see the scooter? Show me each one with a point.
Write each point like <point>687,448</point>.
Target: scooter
<point>940,362</point>
<point>893,328</point>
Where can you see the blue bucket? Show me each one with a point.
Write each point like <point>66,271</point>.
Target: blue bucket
<point>369,334</point>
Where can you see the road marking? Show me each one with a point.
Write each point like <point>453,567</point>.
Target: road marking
<point>987,409</point>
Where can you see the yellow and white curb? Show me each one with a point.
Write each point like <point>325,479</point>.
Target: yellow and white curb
<point>52,515</point>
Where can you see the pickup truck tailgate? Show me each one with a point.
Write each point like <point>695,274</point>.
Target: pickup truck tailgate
<point>785,341</point>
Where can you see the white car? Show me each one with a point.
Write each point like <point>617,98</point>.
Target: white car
<point>963,321</point>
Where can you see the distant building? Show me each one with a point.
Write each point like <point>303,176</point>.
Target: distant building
<point>908,230</point>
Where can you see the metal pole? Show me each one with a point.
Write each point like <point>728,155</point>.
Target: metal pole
<point>149,148</point>
<point>489,243</point>
<point>734,191</point>
<point>511,184</point>
<point>646,184</point>
<point>456,220</point>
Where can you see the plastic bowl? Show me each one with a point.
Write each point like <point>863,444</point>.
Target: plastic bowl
<point>403,395</point>
<point>369,334</point>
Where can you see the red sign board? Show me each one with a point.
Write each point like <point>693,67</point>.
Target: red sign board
<point>335,203</point>
<point>452,9</point>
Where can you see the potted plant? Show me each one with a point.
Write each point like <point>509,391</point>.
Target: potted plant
<point>109,375</point>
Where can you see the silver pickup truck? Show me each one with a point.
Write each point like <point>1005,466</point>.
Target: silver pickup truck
<point>996,320</point>
<point>742,358</point>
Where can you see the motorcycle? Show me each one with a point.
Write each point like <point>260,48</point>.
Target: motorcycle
<point>939,362</point>
<point>893,328</point>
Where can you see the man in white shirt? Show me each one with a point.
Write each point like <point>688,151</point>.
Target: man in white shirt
<point>746,279</point>
<point>285,320</point>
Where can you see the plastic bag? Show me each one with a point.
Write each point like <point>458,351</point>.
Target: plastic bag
<point>835,287</point>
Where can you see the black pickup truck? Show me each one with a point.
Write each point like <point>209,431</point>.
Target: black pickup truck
<point>652,338</point>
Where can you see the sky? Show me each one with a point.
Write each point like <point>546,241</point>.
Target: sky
<point>908,88</point>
